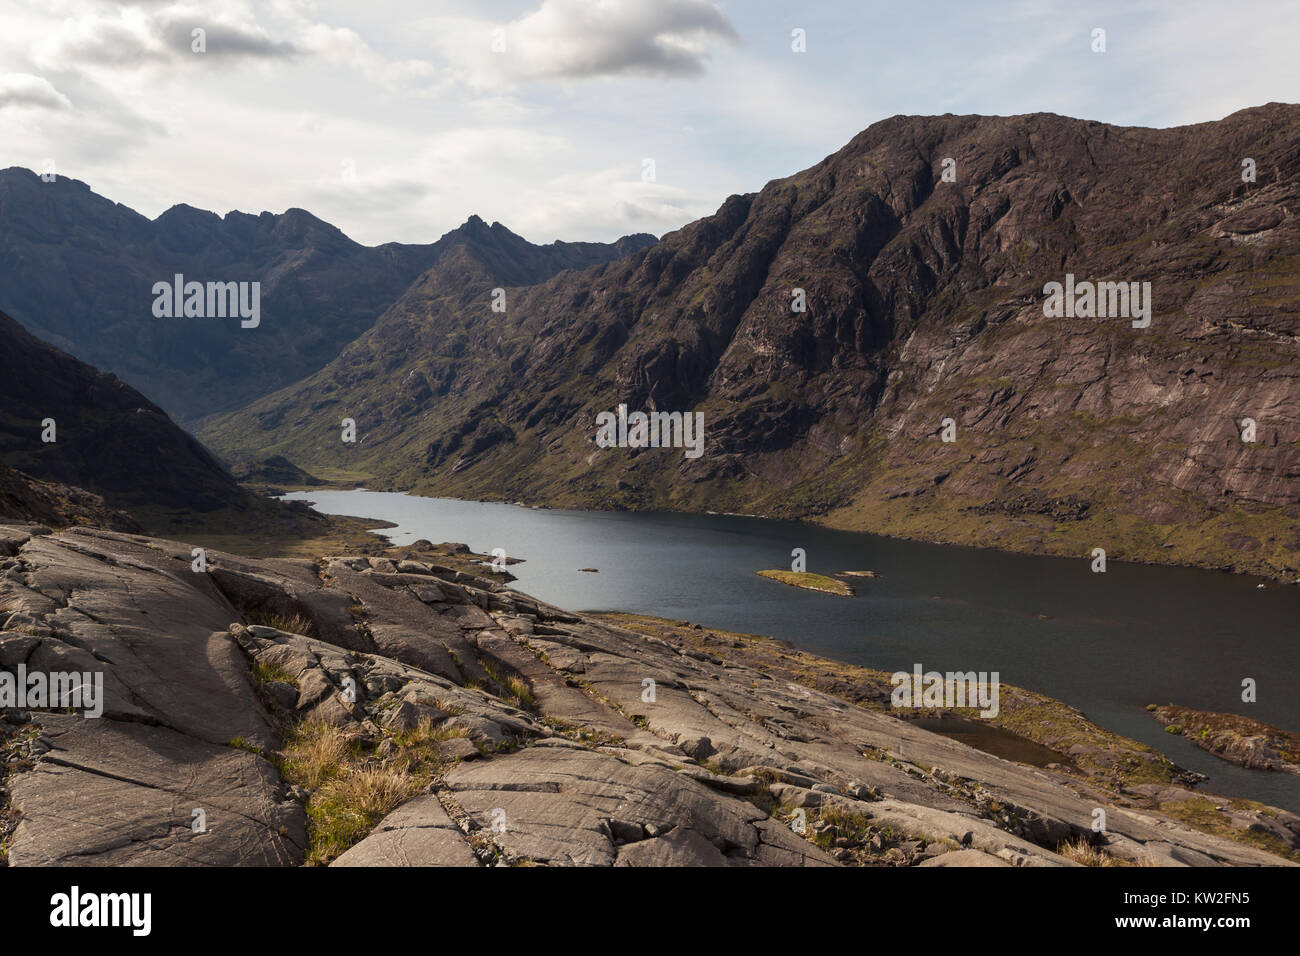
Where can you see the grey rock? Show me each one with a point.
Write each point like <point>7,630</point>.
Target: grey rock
<point>418,833</point>
<point>597,775</point>
<point>964,858</point>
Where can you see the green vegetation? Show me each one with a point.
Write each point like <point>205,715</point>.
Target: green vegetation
<point>239,743</point>
<point>351,788</point>
<point>852,826</point>
<point>810,581</point>
<point>267,672</point>
<point>289,623</point>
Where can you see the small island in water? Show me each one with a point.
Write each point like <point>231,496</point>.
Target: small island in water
<point>1241,740</point>
<point>810,581</point>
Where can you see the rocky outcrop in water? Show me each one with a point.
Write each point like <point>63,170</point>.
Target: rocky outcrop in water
<point>1241,740</point>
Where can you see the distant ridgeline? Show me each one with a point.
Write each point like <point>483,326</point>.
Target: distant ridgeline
<point>301,288</point>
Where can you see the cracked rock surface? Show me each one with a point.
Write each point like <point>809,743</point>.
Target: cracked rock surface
<point>550,748</point>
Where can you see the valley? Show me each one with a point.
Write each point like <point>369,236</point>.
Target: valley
<point>924,302</point>
<point>1046,403</point>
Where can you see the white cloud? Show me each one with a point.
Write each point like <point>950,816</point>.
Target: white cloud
<point>126,39</point>
<point>580,39</point>
<point>135,36</point>
<point>548,137</point>
<point>26,90</point>
<point>347,48</point>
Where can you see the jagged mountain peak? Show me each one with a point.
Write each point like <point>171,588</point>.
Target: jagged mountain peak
<point>827,324</point>
<point>320,289</point>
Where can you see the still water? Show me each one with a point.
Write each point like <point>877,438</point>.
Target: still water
<point>1107,644</point>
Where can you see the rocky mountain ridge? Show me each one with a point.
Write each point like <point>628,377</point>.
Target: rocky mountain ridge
<point>23,498</point>
<point>78,270</point>
<point>922,319</point>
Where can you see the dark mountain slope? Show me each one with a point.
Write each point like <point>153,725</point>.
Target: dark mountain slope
<point>23,498</point>
<point>925,301</point>
<point>78,270</point>
<point>113,442</point>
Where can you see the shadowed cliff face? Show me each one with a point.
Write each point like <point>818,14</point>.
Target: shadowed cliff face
<point>79,270</point>
<point>108,439</point>
<point>924,302</point>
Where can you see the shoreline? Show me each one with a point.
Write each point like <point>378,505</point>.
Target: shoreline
<point>468,693</point>
<point>1092,760</point>
<point>381,536</point>
<point>1235,739</point>
<point>1115,557</point>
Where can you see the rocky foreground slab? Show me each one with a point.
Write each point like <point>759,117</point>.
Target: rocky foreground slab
<point>361,711</point>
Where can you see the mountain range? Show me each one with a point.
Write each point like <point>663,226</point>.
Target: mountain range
<point>79,270</point>
<point>873,345</point>
<point>920,335</point>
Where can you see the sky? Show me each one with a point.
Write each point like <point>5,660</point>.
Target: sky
<point>572,119</point>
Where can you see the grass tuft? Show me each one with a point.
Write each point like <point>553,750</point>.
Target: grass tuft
<point>290,624</point>
<point>349,804</point>
<point>351,787</point>
<point>1081,851</point>
<point>267,672</point>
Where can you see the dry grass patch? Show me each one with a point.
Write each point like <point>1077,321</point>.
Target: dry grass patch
<point>1081,851</point>
<point>351,786</point>
<point>426,732</point>
<point>348,806</point>
<point>317,752</point>
<point>809,581</point>
<point>1206,817</point>
<point>290,624</point>
<point>515,689</point>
